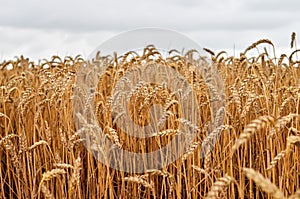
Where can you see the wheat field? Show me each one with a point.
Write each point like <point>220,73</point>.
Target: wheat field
<point>257,154</point>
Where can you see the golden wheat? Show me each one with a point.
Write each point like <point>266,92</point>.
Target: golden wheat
<point>265,184</point>
<point>43,154</point>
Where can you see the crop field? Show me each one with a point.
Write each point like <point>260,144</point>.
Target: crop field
<point>256,153</point>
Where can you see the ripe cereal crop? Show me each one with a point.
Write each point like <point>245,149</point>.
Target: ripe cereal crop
<point>257,154</point>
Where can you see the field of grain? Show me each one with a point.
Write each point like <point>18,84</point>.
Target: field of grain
<point>257,154</point>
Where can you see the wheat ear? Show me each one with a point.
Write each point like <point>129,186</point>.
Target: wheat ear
<point>290,140</point>
<point>218,186</point>
<point>265,184</point>
<point>251,128</point>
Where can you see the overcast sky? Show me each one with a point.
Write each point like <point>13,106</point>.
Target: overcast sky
<point>40,29</point>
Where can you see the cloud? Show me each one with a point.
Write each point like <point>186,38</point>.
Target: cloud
<point>274,6</point>
<point>43,28</point>
<point>123,15</point>
<point>38,44</point>
<point>115,15</point>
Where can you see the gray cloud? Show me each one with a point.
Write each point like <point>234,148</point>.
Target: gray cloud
<point>42,28</point>
<point>120,15</point>
<point>274,6</point>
